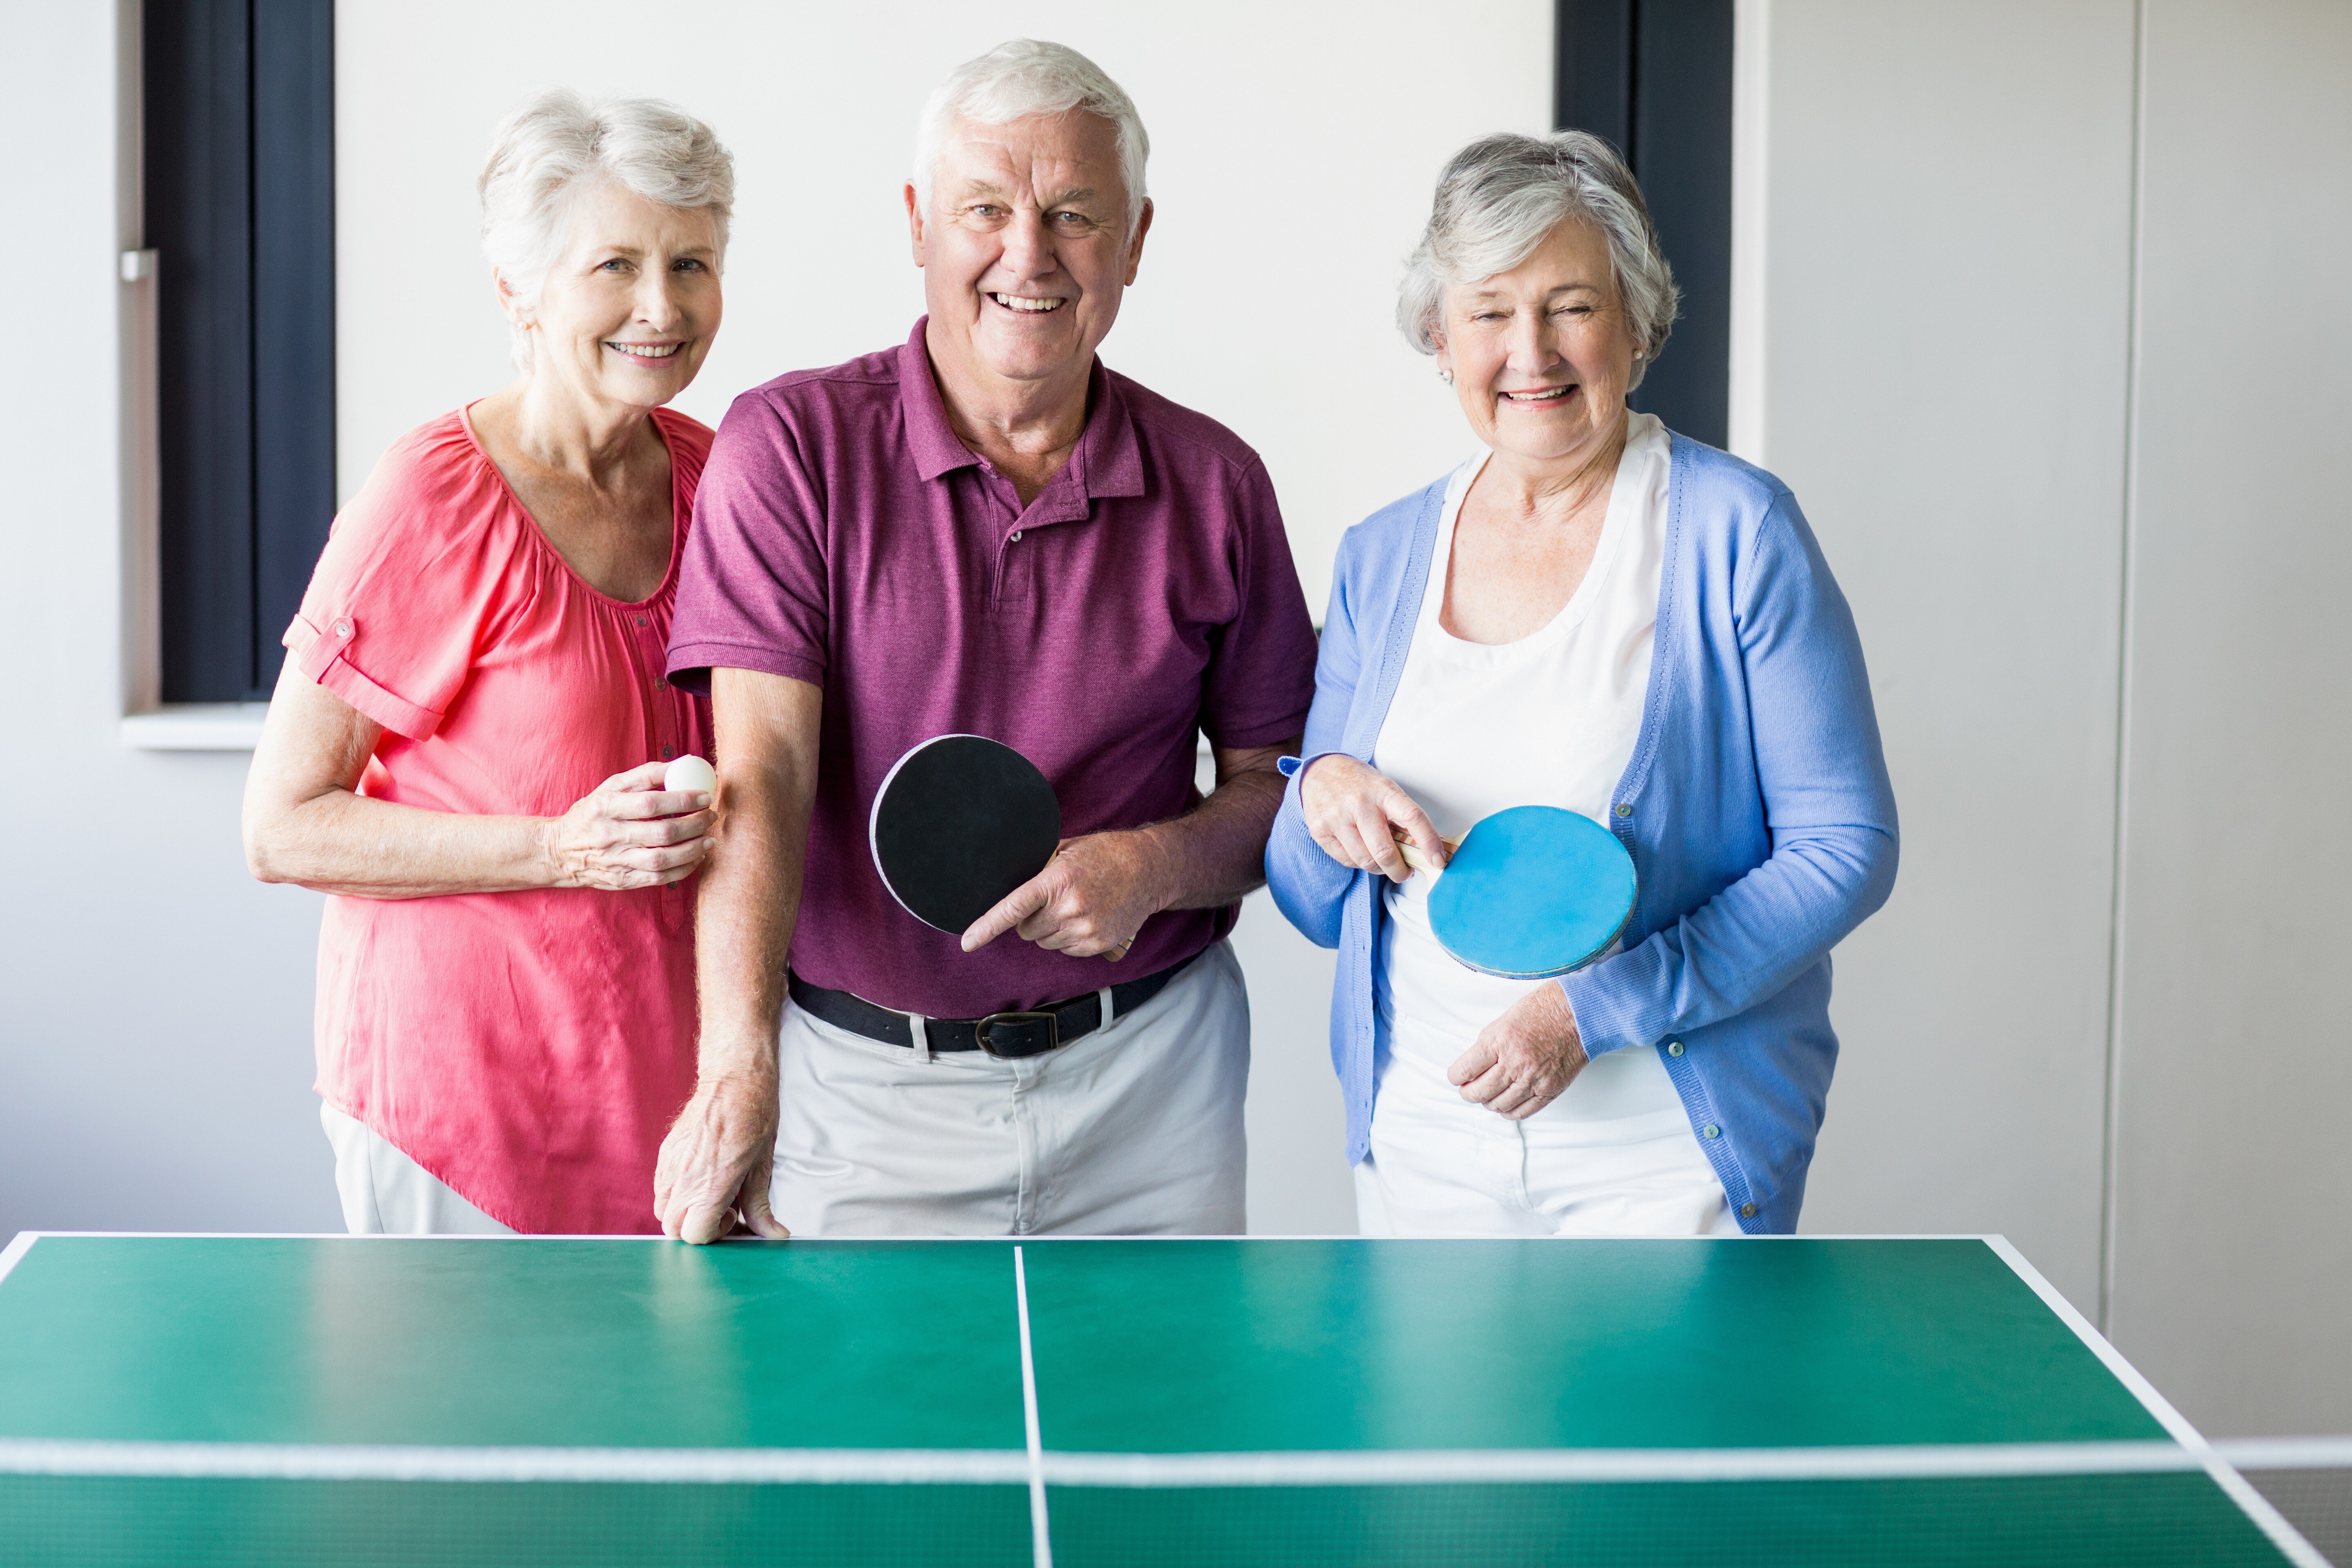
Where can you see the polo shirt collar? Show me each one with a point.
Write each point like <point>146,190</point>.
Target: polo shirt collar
<point>1109,460</point>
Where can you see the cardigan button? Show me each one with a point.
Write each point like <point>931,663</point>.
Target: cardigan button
<point>1673,1048</point>
<point>1625,808</point>
<point>1712,1130</point>
<point>1748,1210</point>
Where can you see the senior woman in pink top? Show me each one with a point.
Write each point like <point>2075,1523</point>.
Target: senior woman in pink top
<point>465,746</point>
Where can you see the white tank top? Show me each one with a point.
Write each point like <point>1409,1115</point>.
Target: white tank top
<point>1549,720</point>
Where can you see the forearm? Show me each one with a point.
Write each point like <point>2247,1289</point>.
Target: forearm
<point>752,887</point>
<point>1215,854</point>
<point>743,927</point>
<point>338,842</point>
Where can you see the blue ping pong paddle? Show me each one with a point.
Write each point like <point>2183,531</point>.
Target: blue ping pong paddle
<point>1530,892</point>
<point>961,821</point>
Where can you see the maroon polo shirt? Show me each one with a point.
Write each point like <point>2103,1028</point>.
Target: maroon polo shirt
<point>843,536</point>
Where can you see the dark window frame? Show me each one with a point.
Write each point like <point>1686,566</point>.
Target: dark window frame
<point>1653,77</point>
<point>237,148</point>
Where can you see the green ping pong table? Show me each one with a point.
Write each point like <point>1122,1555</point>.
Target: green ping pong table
<point>456,1401</point>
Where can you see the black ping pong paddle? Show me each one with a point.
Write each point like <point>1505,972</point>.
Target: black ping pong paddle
<point>959,822</point>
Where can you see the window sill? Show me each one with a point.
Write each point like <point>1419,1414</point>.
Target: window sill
<point>196,727</point>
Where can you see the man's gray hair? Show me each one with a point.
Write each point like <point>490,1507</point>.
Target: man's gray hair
<point>1022,78</point>
<point>1497,200</point>
<point>559,145</point>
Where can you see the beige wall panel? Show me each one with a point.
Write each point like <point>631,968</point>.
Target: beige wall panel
<point>2234,1255</point>
<point>1947,250</point>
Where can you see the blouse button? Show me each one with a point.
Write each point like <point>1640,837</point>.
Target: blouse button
<point>669,752</point>
<point>342,628</point>
<point>641,620</point>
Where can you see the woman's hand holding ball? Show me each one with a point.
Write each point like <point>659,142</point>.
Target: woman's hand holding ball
<point>643,828</point>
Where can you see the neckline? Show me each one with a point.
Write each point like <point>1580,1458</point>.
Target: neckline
<point>669,572</point>
<point>1615,525</point>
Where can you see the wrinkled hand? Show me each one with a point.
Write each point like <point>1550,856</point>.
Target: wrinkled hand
<point>713,1172</point>
<point>628,832</point>
<point>1089,900</point>
<point>1525,1060</point>
<point>1355,812</point>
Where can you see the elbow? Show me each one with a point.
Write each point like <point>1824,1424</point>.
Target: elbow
<point>1313,917</point>
<point>265,849</point>
<point>1878,853</point>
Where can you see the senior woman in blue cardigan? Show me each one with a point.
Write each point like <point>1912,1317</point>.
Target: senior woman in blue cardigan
<point>1596,614</point>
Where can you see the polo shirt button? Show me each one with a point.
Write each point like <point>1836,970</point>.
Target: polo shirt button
<point>1016,536</point>
<point>1625,809</point>
<point>1748,1210</point>
<point>1673,1048</point>
<point>1712,1130</point>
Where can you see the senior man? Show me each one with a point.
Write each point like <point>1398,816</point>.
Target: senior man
<point>985,532</point>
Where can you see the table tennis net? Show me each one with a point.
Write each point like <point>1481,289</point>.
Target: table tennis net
<point>1205,1511</point>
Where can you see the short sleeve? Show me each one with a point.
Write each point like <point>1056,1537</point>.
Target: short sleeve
<point>751,593</point>
<point>417,572</point>
<point>1261,675</point>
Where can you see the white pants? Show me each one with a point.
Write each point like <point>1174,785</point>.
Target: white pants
<point>385,1193</point>
<point>1442,1166</point>
<point>1134,1130</point>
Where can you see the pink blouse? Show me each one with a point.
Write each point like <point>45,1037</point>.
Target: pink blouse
<point>527,1048</point>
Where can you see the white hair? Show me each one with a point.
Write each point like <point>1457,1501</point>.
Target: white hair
<point>559,145</point>
<point>1022,78</point>
<point>1499,199</point>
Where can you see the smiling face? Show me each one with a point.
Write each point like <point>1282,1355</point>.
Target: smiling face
<point>1025,249</point>
<point>626,314</point>
<point>1542,354</point>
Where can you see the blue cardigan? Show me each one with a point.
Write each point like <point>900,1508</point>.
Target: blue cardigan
<point>1757,808</point>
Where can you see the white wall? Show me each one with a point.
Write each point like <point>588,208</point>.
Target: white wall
<point>2052,347</point>
<point>2232,1262</point>
<point>155,1001</point>
<point>1946,254</point>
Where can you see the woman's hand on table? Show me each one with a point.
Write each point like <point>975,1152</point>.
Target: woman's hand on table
<point>1525,1060</point>
<point>1355,813</point>
<point>629,832</point>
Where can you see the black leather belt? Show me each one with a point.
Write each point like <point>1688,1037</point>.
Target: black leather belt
<point>1004,1034</point>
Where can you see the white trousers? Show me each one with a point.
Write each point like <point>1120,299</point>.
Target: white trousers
<point>1135,1130</point>
<point>385,1193</point>
<point>1442,1166</point>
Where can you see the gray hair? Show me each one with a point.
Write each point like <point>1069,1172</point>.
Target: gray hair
<point>1497,200</point>
<point>559,145</point>
<point>1022,78</point>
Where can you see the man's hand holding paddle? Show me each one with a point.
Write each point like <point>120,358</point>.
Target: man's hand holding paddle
<point>1091,898</point>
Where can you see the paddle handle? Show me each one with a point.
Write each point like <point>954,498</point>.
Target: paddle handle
<point>1415,858</point>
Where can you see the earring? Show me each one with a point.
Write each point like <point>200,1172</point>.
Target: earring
<point>1446,376</point>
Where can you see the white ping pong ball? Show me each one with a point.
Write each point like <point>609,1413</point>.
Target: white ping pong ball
<point>690,772</point>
